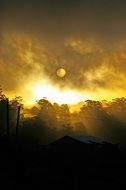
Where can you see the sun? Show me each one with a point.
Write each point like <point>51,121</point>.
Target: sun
<point>61,72</point>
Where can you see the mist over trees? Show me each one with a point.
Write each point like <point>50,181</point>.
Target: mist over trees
<point>45,121</point>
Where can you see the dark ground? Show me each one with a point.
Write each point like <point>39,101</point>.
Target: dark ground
<point>75,166</point>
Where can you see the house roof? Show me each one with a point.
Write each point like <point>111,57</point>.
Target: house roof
<point>78,139</point>
<point>88,139</point>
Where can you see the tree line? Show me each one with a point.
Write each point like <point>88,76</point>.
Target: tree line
<point>46,121</point>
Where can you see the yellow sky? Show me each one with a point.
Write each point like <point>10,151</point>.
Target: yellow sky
<point>82,69</point>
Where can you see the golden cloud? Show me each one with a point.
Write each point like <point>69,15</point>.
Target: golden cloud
<point>84,47</point>
<point>91,67</point>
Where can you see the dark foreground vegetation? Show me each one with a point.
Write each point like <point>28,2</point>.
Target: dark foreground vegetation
<point>29,159</point>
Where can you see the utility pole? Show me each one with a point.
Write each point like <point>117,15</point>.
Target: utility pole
<point>17,124</point>
<point>8,127</point>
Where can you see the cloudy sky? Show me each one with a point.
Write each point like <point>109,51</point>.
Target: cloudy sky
<point>87,38</point>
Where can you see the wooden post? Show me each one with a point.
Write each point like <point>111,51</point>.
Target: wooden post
<point>8,127</point>
<point>17,124</point>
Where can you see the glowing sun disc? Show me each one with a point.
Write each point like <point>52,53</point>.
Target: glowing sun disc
<point>61,72</point>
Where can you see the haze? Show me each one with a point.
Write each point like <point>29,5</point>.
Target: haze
<point>84,37</point>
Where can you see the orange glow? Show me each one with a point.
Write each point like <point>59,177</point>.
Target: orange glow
<point>38,90</point>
